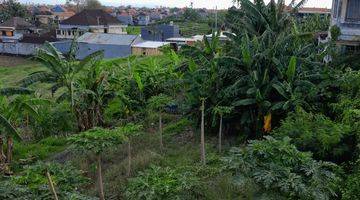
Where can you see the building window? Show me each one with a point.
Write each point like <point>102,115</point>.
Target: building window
<point>69,33</point>
<point>3,33</point>
<point>58,32</point>
<point>106,30</point>
<point>352,11</point>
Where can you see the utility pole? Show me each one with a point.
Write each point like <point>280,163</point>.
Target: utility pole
<point>216,19</point>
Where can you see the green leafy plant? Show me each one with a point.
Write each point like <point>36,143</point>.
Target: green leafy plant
<point>351,188</point>
<point>328,140</point>
<point>276,168</point>
<point>32,182</point>
<point>96,141</point>
<point>161,183</point>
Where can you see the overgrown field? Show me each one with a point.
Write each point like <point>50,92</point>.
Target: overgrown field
<point>264,115</point>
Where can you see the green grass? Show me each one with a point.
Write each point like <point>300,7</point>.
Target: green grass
<point>133,30</point>
<point>10,76</point>
<point>189,29</point>
<point>40,150</point>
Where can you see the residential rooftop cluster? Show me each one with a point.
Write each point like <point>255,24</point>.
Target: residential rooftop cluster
<point>106,29</point>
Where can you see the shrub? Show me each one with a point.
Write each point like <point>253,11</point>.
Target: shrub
<point>276,168</point>
<point>328,140</point>
<point>53,121</point>
<point>32,183</point>
<point>351,188</point>
<point>161,183</point>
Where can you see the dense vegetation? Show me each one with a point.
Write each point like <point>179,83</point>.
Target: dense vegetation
<point>264,115</point>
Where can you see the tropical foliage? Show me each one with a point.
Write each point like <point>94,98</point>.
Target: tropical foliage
<point>162,127</point>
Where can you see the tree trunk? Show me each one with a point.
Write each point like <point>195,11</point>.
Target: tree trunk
<point>202,148</point>
<point>128,173</point>
<point>10,144</point>
<point>161,134</point>
<point>100,178</point>
<point>51,186</point>
<point>220,133</point>
<point>2,155</point>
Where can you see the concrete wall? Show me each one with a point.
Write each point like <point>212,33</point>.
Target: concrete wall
<point>146,51</point>
<point>24,49</point>
<point>160,32</point>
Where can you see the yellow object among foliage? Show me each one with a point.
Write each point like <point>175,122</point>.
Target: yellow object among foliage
<point>267,123</point>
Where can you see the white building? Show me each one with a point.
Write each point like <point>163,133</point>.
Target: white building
<point>346,16</point>
<point>95,21</point>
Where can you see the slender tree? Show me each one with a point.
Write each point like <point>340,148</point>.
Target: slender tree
<point>158,103</point>
<point>130,130</point>
<point>96,141</point>
<point>202,139</point>
<point>221,111</point>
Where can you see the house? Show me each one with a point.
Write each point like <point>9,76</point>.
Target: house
<point>95,21</point>
<point>15,26</point>
<point>160,32</point>
<point>60,13</point>
<point>346,16</point>
<point>113,45</point>
<point>25,44</point>
<point>177,42</point>
<point>58,9</point>
<point>148,48</point>
<point>307,11</point>
<point>125,19</point>
<point>143,19</point>
<point>45,18</point>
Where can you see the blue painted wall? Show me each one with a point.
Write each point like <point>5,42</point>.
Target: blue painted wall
<point>160,32</point>
<point>110,51</point>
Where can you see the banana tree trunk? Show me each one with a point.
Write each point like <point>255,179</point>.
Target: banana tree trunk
<point>100,178</point>
<point>10,146</point>
<point>220,133</point>
<point>128,173</point>
<point>2,155</point>
<point>202,148</point>
<point>161,134</point>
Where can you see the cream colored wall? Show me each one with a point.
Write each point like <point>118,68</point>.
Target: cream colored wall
<point>148,51</point>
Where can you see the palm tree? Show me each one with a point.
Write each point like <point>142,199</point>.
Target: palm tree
<point>60,71</point>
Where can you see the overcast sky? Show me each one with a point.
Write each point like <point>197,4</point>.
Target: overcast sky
<point>177,3</point>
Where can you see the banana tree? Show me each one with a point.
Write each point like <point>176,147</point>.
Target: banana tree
<point>293,90</point>
<point>10,132</point>
<point>60,71</point>
<point>158,104</point>
<point>221,111</point>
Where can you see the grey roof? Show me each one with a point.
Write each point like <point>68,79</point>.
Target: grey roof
<point>17,23</point>
<point>92,17</point>
<point>106,38</point>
